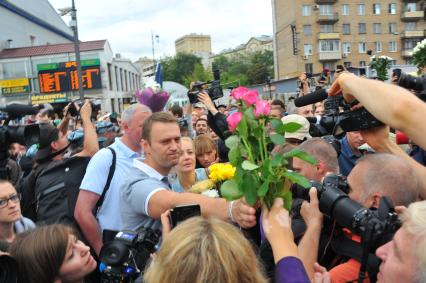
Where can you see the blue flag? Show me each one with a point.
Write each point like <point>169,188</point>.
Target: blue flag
<point>159,74</point>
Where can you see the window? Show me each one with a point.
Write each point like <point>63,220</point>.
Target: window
<point>329,45</point>
<point>410,43</point>
<point>306,10</point>
<point>377,28</point>
<point>345,10</point>
<point>362,28</point>
<point>392,28</point>
<point>376,9</point>
<point>347,65</point>
<point>307,29</point>
<point>326,28</point>
<point>307,49</point>
<point>378,46</point>
<point>346,47</point>
<point>393,62</point>
<point>392,46</point>
<point>326,10</point>
<point>346,29</point>
<point>361,9</point>
<point>362,63</point>
<point>309,68</point>
<point>392,8</point>
<point>411,7</point>
<point>362,47</point>
<point>410,26</point>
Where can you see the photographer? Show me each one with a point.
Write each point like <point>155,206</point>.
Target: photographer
<point>394,106</point>
<point>304,85</point>
<point>39,201</point>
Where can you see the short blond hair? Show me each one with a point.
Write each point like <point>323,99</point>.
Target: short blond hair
<point>205,251</point>
<point>414,222</point>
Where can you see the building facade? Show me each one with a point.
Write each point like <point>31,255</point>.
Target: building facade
<point>199,45</point>
<point>254,44</point>
<point>47,74</point>
<point>31,23</point>
<point>310,35</point>
<point>146,66</point>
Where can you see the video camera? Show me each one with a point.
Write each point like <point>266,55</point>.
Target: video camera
<point>124,258</point>
<point>338,117</point>
<point>213,88</point>
<point>417,84</point>
<point>375,226</point>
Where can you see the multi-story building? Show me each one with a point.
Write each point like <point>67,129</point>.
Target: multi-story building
<point>310,35</point>
<point>146,66</point>
<point>254,44</point>
<point>199,45</point>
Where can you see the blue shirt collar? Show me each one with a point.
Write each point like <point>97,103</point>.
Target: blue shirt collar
<point>126,150</point>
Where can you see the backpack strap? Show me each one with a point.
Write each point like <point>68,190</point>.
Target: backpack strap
<point>108,182</point>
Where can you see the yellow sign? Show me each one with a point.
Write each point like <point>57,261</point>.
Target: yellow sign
<point>48,98</point>
<point>14,83</point>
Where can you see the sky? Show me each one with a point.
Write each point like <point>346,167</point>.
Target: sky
<point>128,24</point>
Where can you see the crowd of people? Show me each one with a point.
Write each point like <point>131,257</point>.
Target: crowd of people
<point>91,176</point>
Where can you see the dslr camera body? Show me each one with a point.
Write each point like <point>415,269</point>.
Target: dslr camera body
<point>125,257</point>
<point>212,88</point>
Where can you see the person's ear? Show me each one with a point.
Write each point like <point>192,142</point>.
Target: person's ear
<point>145,146</point>
<point>375,199</point>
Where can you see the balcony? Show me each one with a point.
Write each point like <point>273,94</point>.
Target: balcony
<point>328,35</point>
<point>407,53</point>
<point>412,16</point>
<point>325,1</point>
<point>413,34</point>
<point>332,18</point>
<point>330,56</point>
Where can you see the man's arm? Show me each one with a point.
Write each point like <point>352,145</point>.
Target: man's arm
<point>83,214</point>
<point>308,246</point>
<point>90,143</point>
<point>163,200</point>
<point>393,105</point>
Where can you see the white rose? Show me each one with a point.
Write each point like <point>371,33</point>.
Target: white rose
<point>211,193</point>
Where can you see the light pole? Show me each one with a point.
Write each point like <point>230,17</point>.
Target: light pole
<point>73,25</point>
<point>153,52</point>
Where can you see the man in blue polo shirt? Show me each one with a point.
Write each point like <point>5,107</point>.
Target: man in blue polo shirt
<point>349,152</point>
<point>126,148</point>
<point>147,194</point>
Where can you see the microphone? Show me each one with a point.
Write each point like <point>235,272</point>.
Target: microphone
<point>19,110</point>
<point>311,98</point>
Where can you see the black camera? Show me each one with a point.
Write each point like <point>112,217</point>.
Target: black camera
<point>124,258</point>
<point>415,83</point>
<point>375,226</point>
<point>94,104</point>
<point>213,88</point>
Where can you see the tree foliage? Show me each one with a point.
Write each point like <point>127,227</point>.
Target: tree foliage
<point>179,67</point>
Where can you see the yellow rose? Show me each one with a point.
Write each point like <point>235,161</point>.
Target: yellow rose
<point>202,186</point>
<point>220,172</point>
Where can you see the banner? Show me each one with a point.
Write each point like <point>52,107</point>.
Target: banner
<point>48,98</point>
<point>15,86</point>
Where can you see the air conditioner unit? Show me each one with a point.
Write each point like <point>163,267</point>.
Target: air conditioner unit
<point>316,7</point>
<point>305,57</point>
<point>344,55</point>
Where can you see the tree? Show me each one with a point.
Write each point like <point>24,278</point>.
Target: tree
<point>199,74</point>
<point>180,66</point>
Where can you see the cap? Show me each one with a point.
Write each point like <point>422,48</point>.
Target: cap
<point>104,127</point>
<point>199,105</point>
<point>48,134</point>
<point>303,132</point>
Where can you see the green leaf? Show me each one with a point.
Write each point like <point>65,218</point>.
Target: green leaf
<point>242,127</point>
<point>247,165</point>
<point>277,139</point>
<point>277,160</point>
<point>234,155</point>
<point>301,155</point>
<point>291,127</point>
<point>287,198</point>
<point>250,185</point>
<point>263,189</point>
<point>232,141</point>
<point>276,123</point>
<point>258,132</point>
<point>230,190</point>
<point>297,178</point>
<point>249,113</point>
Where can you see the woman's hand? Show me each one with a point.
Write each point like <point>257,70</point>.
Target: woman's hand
<point>165,223</point>
<point>277,227</point>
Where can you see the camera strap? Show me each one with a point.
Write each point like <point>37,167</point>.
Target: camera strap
<point>108,182</point>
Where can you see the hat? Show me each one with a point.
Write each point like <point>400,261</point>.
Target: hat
<point>104,127</point>
<point>199,105</point>
<point>300,134</point>
<point>48,134</point>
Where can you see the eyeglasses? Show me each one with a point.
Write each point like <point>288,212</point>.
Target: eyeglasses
<point>13,198</point>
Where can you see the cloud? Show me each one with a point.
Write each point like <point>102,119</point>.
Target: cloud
<point>128,24</point>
